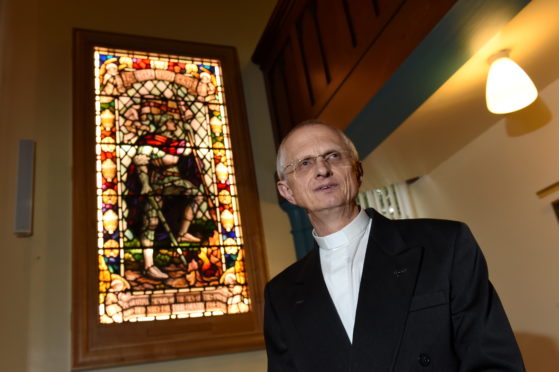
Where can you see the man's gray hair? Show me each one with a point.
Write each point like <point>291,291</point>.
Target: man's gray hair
<point>280,158</point>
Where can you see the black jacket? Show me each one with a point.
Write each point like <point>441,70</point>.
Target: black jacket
<point>425,304</point>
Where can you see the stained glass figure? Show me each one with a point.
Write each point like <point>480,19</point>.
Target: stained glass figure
<point>169,230</point>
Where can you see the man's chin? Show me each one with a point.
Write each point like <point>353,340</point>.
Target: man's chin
<point>332,207</point>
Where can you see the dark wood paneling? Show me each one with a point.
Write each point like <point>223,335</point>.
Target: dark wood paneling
<point>338,53</point>
<point>280,99</point>
<point>339,35</point>
<point>295,77</point>
<point>362,12</point>
<point>278,31</point>
<point>398,39</point>
<point>315,65</point>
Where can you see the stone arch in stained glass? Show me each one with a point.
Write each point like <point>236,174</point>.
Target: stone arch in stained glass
<point>169,232</point>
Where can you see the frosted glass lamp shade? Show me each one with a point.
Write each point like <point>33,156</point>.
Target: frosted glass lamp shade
<point>508,87</point>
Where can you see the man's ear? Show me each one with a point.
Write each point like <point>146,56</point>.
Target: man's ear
<point>285,191</point>
<point>359,171</point>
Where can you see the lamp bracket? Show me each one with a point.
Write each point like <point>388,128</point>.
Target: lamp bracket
<point>500,54</point>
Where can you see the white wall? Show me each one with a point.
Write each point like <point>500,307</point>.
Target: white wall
<point>491,184</point>
<point>36,103</point>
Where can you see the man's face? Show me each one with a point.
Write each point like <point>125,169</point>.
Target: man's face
<point>325,186</point>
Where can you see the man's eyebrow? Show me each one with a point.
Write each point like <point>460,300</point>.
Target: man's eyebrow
<point>313,155</point>
<point>298,158</point>
<point>332,150</point>
<point>305,157</point>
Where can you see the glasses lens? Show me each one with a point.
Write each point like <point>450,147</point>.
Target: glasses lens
<point>305,165</point>
<point>334,157</point>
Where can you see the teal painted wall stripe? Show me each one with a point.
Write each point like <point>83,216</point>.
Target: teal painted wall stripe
<point>301,228</point>
<point>432,63</point>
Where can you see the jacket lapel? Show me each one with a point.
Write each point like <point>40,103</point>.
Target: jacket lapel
<point>316,319</point>
<point>387,286</point>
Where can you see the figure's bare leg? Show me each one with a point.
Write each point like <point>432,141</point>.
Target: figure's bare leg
<point>184,235</point>
<point>146,238</point>
<point>188,216</point>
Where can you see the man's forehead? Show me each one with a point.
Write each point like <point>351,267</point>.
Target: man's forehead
<point>314,136</point>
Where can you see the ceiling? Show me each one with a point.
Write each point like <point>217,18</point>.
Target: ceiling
<point>456,114</point>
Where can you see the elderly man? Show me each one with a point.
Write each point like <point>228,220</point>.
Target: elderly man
<point>376,294</point>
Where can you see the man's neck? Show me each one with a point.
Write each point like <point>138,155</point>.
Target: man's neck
<point>329,221</point>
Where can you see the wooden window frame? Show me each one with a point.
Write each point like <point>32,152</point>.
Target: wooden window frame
<point>97,345</point>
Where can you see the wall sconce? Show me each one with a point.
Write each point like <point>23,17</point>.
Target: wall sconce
<point>508,87</point>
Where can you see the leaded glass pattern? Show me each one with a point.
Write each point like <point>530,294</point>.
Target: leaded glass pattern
<point>169,237</point>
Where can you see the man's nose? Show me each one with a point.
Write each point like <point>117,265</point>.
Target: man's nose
<point>322,167</point>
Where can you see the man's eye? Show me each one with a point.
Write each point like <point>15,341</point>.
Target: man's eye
<point>305,163</point>
<point>334,156</point>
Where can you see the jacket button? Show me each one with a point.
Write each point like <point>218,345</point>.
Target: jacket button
<point>424,359</point>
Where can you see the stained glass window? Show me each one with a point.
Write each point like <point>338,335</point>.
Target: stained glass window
<point>163,266</point>
<point>169,234</point>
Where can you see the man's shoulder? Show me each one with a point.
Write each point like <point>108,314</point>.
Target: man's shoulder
<point>442,240</point>
<point>429,224</point>
<point>426,231</point>
<point>293,273</point>
<point>416,225</point>
<point>435,234</point>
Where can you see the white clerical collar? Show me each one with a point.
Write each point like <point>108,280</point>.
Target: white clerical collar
<point>349,233</point>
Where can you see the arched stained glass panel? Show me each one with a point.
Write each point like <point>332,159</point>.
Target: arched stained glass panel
<point>170,241</point>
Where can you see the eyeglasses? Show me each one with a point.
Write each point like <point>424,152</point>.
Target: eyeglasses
<point>304,166</point>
